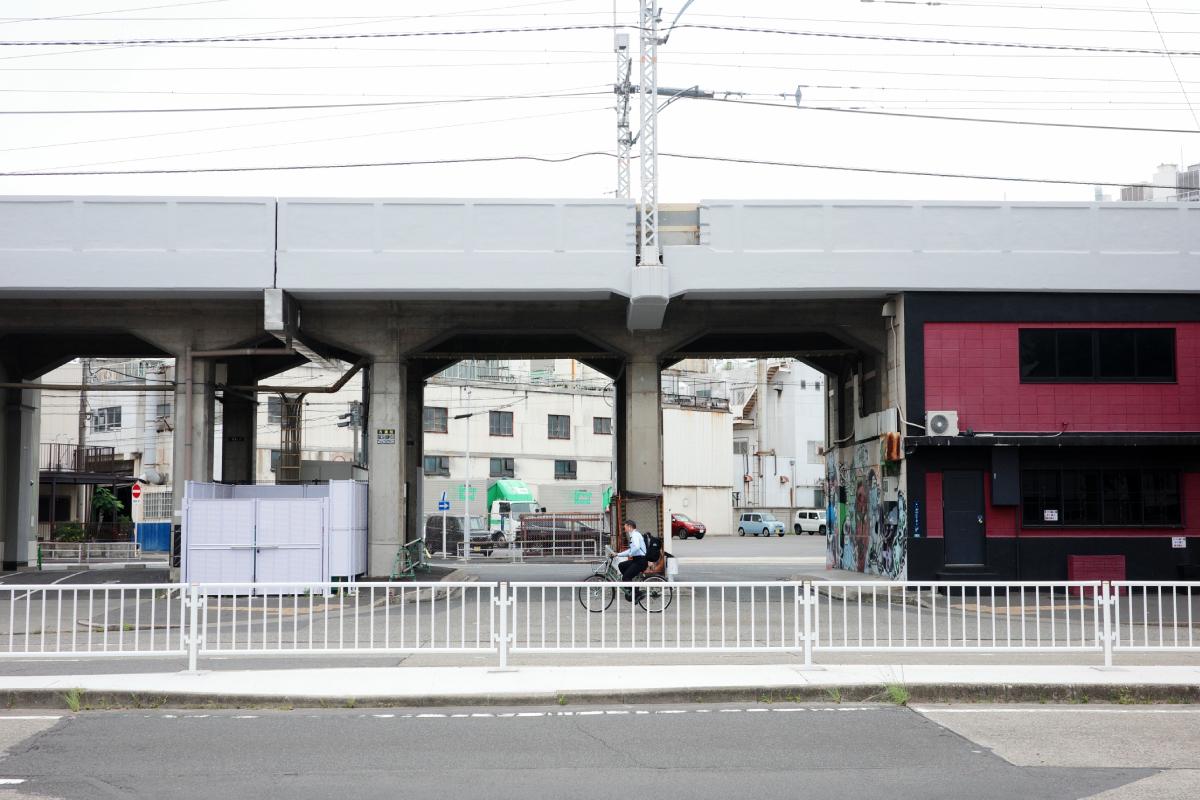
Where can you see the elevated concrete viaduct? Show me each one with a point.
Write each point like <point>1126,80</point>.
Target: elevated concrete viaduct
<point>411,286</point>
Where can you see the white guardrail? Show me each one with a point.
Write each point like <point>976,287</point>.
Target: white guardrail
<point>800,618</point>
<point>83,552</point>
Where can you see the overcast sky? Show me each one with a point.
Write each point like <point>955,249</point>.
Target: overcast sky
<point>1122,89</point>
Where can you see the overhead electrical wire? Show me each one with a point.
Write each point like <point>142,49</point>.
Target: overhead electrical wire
<point>302,106</point>
<point>953,118</point>
<point>394,132</point>
<point>590,154</point>
<point>840,35</point>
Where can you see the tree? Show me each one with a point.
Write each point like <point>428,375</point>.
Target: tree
<point>104,502</point>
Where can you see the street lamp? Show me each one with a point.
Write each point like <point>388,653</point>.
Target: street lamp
<point>467,482</point>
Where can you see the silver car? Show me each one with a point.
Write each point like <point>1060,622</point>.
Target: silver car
<point>759,523</point>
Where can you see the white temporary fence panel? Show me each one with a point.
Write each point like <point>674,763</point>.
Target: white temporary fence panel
<point>218,540</point>
<point>347,528</point>
<point>306,533</point>
<point>290,540</point>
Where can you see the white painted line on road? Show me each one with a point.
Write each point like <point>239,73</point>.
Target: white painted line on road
<point>247,716</point>
<point>532,714</point>
<point>11,781</point>
<point>431,716</point>
<point>928,710</point>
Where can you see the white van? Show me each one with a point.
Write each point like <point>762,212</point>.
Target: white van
<point>809,521</point>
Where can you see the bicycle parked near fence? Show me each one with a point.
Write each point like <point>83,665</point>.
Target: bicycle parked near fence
<point>651,592</point>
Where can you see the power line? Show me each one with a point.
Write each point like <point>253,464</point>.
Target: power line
<point>907,172</point>
<point>590,154</point>
<point>1174,68</point>
<point>952,118</point>
<point>303,37</point>
<point>302,106</point>
<point>840,35</point>
<point>873,37</point>
<point>272,145</point>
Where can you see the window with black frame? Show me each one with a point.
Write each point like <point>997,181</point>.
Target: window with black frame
<point>558,426</point>
<point>500,423</point>
<point>565,470</point>
<point>1119,497</point>
<point>435,419</point>
<point>1097,355</point>
<point>437,465</point>
<point>502,468</point>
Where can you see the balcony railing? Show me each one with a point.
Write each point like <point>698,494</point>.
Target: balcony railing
<point>56,457</point>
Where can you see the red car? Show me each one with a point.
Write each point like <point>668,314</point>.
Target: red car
<point>684,527</point>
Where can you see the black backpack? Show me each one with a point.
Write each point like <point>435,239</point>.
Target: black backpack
<point>653,547</point>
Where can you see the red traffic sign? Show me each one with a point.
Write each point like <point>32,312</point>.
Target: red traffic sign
<point>136,491</point>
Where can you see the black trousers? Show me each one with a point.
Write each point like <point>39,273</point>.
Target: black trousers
<point>632,567</point>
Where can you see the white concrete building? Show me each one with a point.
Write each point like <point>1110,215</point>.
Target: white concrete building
<point>778,436</point>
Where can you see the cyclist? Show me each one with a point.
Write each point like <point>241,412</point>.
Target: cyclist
<point>635,554</point>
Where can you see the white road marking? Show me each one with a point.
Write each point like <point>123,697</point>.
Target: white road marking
<point>11,781</point>
<point>928,710</point>
<point>642,712</point>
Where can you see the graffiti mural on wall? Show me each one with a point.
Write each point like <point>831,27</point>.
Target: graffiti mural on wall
<point>866,532</point>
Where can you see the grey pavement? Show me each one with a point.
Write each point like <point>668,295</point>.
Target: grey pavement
<point>699,751</point>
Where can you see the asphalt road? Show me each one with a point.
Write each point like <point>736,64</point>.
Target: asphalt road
<point>695,751</point>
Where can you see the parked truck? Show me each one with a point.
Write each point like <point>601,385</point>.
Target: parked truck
<point>507,500</point>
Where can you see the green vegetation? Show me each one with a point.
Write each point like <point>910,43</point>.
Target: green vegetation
<point>835,694</point>
<point>74,699</point>
<point>897,694</point>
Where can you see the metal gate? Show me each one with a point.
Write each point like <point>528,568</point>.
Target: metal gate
<point>256,541</point>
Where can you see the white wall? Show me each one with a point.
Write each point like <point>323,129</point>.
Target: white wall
<point>695,474</point>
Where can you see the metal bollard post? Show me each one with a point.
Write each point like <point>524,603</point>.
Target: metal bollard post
<point>193,637</point>
<point>502,601</point>
<point>1108,633</point>
<point>806,594</point>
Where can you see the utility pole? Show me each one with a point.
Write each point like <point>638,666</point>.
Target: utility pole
<point>651,249</point>
<point>623,90</point>
<point>467,487</point>
<point>85,367</point>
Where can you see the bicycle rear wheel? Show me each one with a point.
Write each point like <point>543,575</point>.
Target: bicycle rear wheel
<point>599,595</point>
<point>655,594</point>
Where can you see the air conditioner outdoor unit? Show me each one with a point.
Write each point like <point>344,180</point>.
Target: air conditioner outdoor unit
<point>941,423</point>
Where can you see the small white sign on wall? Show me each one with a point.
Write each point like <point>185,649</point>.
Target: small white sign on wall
<point>1178,542</point>
<point>1050,515</point>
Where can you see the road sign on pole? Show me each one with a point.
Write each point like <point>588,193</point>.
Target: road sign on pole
<point>443,506</point>
<point>136,491</point>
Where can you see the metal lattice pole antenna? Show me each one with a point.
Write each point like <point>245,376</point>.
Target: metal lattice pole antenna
<point>623,89</point>
<point>651,252</point>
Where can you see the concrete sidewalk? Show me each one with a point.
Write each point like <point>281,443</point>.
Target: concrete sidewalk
<point>542,685</point>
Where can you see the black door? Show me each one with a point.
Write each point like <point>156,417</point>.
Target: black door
<point>962,501</point>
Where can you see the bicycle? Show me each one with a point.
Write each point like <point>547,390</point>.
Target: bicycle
<point>654,599</point>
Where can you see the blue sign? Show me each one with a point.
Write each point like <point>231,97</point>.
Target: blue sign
<point>443,505</point>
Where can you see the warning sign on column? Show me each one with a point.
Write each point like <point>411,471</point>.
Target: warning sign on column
<point>385,436</point>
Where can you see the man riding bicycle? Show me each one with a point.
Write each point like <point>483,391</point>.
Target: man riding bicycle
<point>635,554</point>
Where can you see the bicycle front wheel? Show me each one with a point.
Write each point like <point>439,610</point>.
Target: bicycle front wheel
<point>655,594</point>
<point>599,595</point>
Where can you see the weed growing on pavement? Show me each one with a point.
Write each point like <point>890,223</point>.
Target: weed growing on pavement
<point>74,699</point>
<point>350,702</point>
<point>835,694</point>
<point>562,699</point>
<point>897,694</point>
<point>1125,697</point>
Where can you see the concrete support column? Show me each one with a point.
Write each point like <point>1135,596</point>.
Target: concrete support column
<point>641,403</point>
<point>414,452</point>
<point>239,430</point>
<point>386,442</point>
<point>192,445</point>
<point>19,429</point>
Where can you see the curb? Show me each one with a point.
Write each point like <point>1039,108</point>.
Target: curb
<point>1076,694</point>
